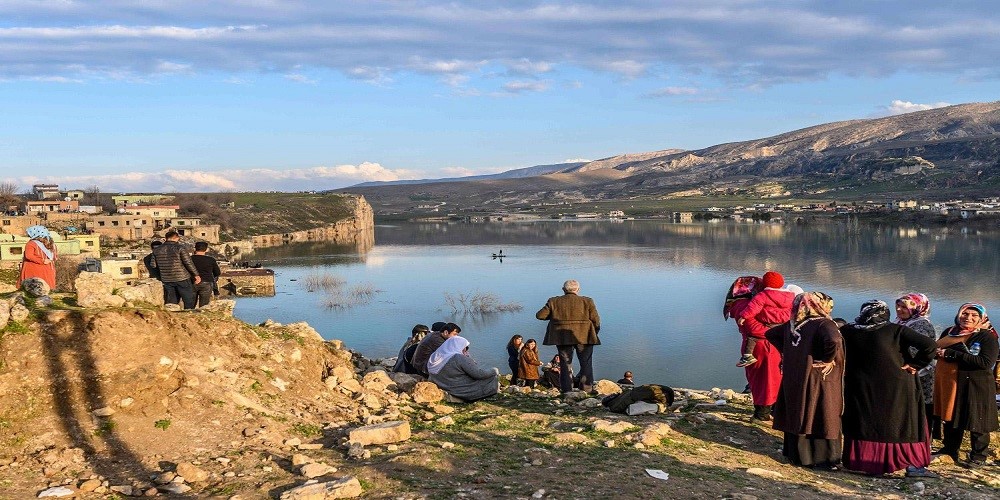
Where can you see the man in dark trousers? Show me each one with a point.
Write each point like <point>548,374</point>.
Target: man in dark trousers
<point>208,271</point>
<point>573,326</point>
<point>176,271</point>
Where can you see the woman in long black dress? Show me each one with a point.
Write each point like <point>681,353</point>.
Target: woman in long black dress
<point>885,428</point>
<point>810,401</point>
<point>964,387</point>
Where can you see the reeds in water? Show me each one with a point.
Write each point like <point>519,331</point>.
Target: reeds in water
<point>479,303</point>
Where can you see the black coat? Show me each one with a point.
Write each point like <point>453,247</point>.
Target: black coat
<point>975,402</point>
<point>883,402</point>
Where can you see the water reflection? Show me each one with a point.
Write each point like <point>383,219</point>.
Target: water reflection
<point>658,286</point>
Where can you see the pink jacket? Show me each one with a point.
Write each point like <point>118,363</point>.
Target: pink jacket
<point>770,307</point>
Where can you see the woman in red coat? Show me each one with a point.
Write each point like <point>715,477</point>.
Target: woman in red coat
<point>756,311</point>
<point>39,259</point>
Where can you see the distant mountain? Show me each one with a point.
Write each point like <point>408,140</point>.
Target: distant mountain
<point>509,174</point>
<point>950,151</point>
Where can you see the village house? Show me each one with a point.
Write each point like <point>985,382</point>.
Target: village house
<point>203,232</point>
<point>89,243</point>
<point>36,207</point>
<point>123,227</point>
<point>73,194</point>
<point>135,199</point>
<point>46,191</point>
<point>18,224</point>
<point>159,213</point>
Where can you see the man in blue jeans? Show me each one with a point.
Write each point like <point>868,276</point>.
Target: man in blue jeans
<point>573,327</point>
<point>176,270</point>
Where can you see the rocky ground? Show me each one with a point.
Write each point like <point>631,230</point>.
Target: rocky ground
<point>132,400</point>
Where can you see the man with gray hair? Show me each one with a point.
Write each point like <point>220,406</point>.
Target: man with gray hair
<point>573,326</point>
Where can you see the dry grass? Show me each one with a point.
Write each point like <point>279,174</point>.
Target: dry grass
<point>479,303</point>
<point>358,295</point>
<point>323,282</point>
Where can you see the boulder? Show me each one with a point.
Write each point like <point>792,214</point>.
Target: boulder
<point>377,380</point>
<point>404,381</point>
<point>57,492</point>
<point>316,469</point>
<point>342,373</point>
<point>149,291</point>
<point>427,392</point>
<point>35,287</point>
<point>4,314</point>
<point>302,329</point>
<point>347,487</point>
<point>612,427</point>
<point>222,306</point>
<point>570,438</point>
<point>191,473</point>
<point>606,387</point>
<point>385,433</point>
<point>19,312</point>
<point>96,290</point>
<point>351,385</point>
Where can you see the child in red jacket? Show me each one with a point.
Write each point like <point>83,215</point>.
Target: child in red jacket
<point>771,307</point>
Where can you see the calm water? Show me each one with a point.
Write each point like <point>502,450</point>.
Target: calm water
<point>659,287</point>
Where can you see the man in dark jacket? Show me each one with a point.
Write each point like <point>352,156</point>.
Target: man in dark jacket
<point>176,270</point>
<point>573,326</point>
<point>208,271</point>
<point>148,260</point>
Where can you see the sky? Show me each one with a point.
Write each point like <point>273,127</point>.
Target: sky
<point>248,95</point>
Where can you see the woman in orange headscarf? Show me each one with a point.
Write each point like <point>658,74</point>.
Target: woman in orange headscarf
<point>39,259</point>
<point>964,387</point>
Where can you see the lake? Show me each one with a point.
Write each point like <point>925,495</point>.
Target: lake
<point>658,286</point>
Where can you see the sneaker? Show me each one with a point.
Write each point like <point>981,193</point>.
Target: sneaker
<point>973,464</point>
<point>912,471</point>
<point>746,360</point>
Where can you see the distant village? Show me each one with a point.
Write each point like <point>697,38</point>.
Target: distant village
<point>80,230</point>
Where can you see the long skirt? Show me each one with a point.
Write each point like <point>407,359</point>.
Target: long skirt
<point>800,449</point>
<point>872,457</point>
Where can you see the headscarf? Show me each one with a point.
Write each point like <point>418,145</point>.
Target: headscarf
<point>984,322</point>
<point>917,303</point>
<point>452,346</point>
<point>810,305</point>
<point>874,313</point>
<point>796,289</point>
<point>743,288</point>
<point>37,231</point>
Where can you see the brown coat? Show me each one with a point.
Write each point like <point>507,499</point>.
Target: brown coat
<point>808,403</point>
<point>572,318</point>
<point>527,364</point>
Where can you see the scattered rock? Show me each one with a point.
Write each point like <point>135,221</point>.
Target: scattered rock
<point>358,452</point>
<point>351,386</point>
<point>291,442</point>
<point>385,433</point>
<point>612,427</point>
<point>348,487</point>
<point>446,420</point>
<point>606,387</point>
<point>191,473</point>
<point>590,403</point>
<point>538,494</point>
<point>770,474</point>
<point>570,438</point>
<point>404,381</point>
<point>35,287</point>
<point>317,469</point>
<point>442,409</point>
<point>221,306</point>
<point>609,443</point>
<point>164,478</point>
<point>103,412</point>
<point>377,380</point>
<point>427,392</point>
<point>90,485</point>
<point>19,313</point>
<point>175,488</point>
<point>125,489</point>
<point>299,460</point>
<point>447,445</point>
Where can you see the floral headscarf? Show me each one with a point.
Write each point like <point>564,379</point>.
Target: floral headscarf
<point>874,313</point>
<point>743,288</point>
<point>917,303</point>
<point>984,323</point>
<point>810,305</point>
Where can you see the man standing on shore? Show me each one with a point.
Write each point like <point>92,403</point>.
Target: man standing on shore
<point>573,326</point>
<point>176,270</point>
<point>208,271</point>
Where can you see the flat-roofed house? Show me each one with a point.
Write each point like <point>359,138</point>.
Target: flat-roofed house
<point>124,227</point>
<point>38,207</point>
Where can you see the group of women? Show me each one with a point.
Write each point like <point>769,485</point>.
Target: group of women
<point>871,394</point>
<point>524,362</point>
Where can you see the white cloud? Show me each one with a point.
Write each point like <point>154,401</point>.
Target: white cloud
<point>519,86</point>
<point>299,78</point>
<point>528,67</point>
<point>257,179</point>
<point>627,68</point>
<point>898,107</point>
<point>458,171</point>
<point>673,91</point>
<point>172,67</point>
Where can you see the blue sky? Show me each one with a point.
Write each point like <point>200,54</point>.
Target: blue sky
<point>267,94</point>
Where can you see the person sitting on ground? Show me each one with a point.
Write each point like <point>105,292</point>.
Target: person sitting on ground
<point>627,379</point>
<point>513,352</point>
<point>431,343</point>
<point>208,270</point>
<point>551,372</point>
<point>528,363</point>
<point>768,308</point>
<point>403,365</point>
<point>455,372</point>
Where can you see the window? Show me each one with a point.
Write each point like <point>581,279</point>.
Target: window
<point>127,223</point>
<point>6,222</point>
<point>100,223</point>
<point>126,270</point>
<point>114,223</point>
<point>88,243</point>
<point>16,250</point>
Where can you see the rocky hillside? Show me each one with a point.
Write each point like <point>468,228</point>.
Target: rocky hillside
<point>940,153</point>
<point>124,398</point>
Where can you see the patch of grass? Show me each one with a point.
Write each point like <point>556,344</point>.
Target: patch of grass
<point>163,423</point>
<point>479,303</point>
<point>324,282</point>
<point>256,386</point>
<point>307,430</point>
<point>105,428</point>
<point>218,402</point>
<point>366,485</point>
<point>14,328</point>
<point>269,373</point>
<point>223,491</point>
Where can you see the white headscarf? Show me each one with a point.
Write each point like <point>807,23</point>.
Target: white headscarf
<point>454,345</point>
